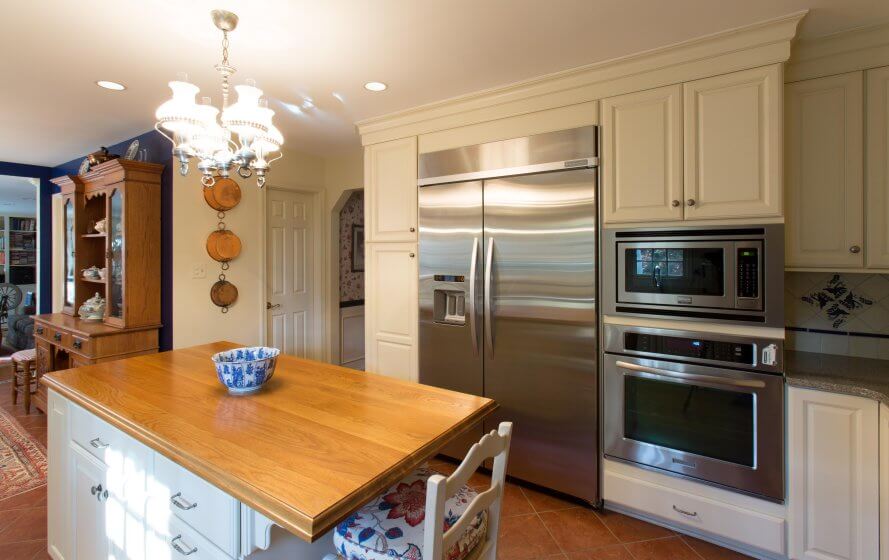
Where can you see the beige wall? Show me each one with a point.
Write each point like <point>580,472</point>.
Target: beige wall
<point>195,319</point>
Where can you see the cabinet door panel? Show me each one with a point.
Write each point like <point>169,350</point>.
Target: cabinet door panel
<point>89,527</point>
<point>824,157</point>
<point>878,168</point>
<point>390,174</point>
<point>733,149</point>
<point>642,151</point>
<point>391,309</point>
<point>833,503</point>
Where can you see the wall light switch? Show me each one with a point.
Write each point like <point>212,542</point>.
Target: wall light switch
<point>198,271</point>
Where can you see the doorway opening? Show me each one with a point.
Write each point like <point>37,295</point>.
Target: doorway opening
<point>18,261</point>
<point>347,236</point>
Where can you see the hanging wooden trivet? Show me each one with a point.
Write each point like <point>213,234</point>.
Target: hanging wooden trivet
<point>223,245</point>
<point>223,293</point>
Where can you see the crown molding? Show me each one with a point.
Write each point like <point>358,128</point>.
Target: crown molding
<point>759,44</point>
<point>838,53</point>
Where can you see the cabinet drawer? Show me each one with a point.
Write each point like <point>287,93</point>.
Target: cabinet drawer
<point>176,492</point>
<point>127,460</point>
<point>43,330</point>
<point>682,509</point>
<point>81,345</point>
<point>172,538</point>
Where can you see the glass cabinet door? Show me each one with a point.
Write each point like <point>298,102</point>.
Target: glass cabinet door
<point>115,254</point>
<point>69,251</point>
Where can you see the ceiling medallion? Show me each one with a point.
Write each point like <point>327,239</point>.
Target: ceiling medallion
<point>196,132</point>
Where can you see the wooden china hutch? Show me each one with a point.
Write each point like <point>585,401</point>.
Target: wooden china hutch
<point>126,194</point>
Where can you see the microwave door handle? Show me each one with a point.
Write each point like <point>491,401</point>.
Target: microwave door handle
<point>471,307</point>
<point>489,335</point>
<point>748,383</point>
<point>656,276</point>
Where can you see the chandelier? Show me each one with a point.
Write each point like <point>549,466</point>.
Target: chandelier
<point>242,138</point>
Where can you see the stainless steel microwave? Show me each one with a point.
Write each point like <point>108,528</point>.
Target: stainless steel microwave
<point>725,274</point>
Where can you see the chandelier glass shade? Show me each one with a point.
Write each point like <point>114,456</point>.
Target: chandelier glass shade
<point>240,137</point>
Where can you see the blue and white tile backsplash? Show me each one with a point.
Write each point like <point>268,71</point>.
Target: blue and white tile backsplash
<point>837,313</point>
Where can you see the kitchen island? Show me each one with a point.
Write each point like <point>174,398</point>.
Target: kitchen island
<point>151,454</point>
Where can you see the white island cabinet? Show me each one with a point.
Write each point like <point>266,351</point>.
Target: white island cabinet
<point>837,467</point>
<point>111,497</point>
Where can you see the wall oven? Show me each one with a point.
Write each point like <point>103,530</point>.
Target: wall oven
<point>731,274</point>
<point>704,406</point>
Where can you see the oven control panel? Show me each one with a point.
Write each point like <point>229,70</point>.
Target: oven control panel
<point>686,347</point>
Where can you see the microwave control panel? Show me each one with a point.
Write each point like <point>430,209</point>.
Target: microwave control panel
<point>748,272</point>
<point>702,349</point>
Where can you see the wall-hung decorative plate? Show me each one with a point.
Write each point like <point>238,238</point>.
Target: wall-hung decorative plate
<point>132,149</point>
<point>84,166</point>
<point>224,195</point>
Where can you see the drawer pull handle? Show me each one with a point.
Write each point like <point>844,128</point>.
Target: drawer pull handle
<point>98,443</point>
<point>181,503</point>
<point>684,512</point>
<point>57,336</point>
<point>39,330</point>
<point>178,547</point>
<point>78,344</point>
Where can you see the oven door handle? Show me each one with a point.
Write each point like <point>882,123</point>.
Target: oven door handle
<point>749,383</point>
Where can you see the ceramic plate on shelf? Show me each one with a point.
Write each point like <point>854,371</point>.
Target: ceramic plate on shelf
<point>132,150</point>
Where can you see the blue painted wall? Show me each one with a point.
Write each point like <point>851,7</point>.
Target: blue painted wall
<point>44,295</point>
<point>159,151</point>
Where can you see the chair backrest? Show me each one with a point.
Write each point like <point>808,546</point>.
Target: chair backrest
<point>436,541</point>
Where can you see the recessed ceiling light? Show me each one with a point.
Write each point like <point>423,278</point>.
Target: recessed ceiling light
<point>114,86</point>
<point>375,86</point>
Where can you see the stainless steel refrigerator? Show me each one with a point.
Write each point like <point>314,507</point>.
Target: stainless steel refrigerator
<point>508,270</point>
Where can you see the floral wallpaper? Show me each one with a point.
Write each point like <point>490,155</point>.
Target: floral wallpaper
<point>837,313</point>
<point>351,283</point>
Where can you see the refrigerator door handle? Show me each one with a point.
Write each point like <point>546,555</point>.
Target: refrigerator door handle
<point>489,333</point>
<point>471,307</point>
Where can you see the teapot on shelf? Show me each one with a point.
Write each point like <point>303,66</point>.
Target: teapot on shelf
<point>93,309</point>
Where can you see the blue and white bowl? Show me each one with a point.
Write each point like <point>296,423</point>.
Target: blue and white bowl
<point>245,370</point>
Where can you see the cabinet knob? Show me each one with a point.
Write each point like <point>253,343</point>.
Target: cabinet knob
<point>411,255</point>
<point>39,330</point>
<point>413,230</point>
<point>855,249</point>
<point>690,202</point>
<point>78,344</point>
<point>675,203</point>
<point>57,336</point>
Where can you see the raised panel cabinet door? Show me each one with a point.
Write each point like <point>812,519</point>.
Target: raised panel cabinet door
<point>833,475</point>
<point>824,155</point>
<point>89,523</point>
<point>390,176</point>
<point>642,156</point>
<point>884,482</point>
<point>58,504</point>
<point>733,147</point>
<point>877,249</point>
<point>391,304</point>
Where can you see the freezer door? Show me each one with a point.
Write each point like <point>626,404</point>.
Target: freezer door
<point>540,325</point>
<point>450,219</point>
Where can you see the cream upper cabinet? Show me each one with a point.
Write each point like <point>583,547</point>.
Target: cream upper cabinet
<point>390,173</point>
<point>642,156</point>
<point>733,147</point>
<point>391,309</point>
<point>833,475</point>
<point>878,168</point>
<point>884,482</point>
<point>824,159</point>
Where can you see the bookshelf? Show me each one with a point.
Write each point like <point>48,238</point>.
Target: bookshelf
<point>18,251</point>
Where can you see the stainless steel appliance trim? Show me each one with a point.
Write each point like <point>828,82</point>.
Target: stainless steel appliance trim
<point>489,334</point>
<point>765,479</point>
<point>726,300</point>
<point>581,163</point>
<point>692,377</point>
<point>613,343</point>
<point>470,309</point>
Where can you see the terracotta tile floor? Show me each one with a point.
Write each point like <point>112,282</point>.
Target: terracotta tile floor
<point>535,525</point>
<point>23,517</point>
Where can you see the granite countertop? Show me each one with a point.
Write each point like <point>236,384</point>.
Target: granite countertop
<point>862,377</point>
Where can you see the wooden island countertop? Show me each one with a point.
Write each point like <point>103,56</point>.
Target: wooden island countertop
<point>318,442</point>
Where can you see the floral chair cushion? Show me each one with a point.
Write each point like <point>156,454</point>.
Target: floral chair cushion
<point>391,527</point>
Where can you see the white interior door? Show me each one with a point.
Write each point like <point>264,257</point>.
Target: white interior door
<point>290,243</point>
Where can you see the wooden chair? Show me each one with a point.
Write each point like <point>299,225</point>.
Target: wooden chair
<point>24,376</point>
<point>472,518</point>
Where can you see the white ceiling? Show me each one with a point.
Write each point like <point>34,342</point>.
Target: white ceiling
<point>18,195</point>
<point>426,50</point>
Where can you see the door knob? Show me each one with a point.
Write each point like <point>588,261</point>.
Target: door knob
<point>690,202</point>
<point>268,305</point>
<point>855,249</point>
<point>675,203</point>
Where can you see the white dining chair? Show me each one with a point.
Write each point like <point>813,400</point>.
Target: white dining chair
<point>456,523</point>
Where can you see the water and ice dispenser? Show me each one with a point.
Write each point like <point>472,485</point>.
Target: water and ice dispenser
<point>449,304</point>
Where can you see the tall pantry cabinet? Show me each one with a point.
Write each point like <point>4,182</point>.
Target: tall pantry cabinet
<point>391,283</point>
